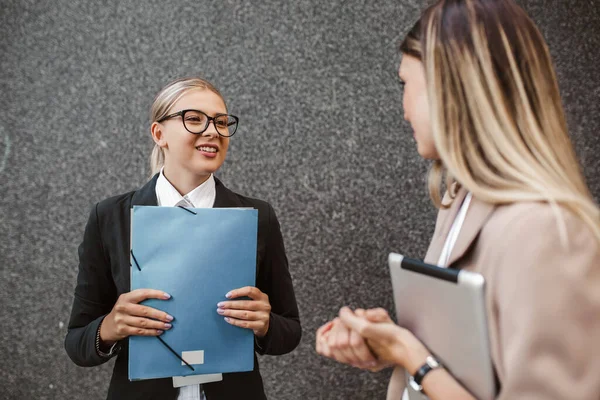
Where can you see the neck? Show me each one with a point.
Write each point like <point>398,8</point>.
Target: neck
<point>184,181</point>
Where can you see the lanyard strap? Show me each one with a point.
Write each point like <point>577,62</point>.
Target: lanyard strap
<point>454,231</point>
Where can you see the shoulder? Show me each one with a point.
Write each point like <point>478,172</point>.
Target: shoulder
<point>114,204</point>
<point>235,199</point>
<point>266,213</point>
<point>530,220</point>
<point>533,240</point>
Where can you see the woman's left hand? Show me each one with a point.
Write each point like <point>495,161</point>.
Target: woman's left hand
<point>250,314</point>
<point>390,342</point>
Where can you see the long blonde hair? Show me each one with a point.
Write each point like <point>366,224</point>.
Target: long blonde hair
<point>162,104</point>
<point>497,119</point>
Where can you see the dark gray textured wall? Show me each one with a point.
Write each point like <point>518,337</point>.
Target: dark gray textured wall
<point>321,138</point>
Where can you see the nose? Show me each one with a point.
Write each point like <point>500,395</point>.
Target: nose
<point>211,130</point>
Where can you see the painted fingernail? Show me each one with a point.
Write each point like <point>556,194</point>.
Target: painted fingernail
<point>227,319</point>
<point>166,295</point>
<point>220,311</point>
<point>228,295</point>
<point>170,318</point>
<point>220,304</point>
<point>168,326</point>
<point>160,332</point>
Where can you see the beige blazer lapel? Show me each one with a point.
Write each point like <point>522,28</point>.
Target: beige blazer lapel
<point>476,217</point>
<point>442,226</point>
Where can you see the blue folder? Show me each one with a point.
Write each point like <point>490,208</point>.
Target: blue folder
<point>197,256</point>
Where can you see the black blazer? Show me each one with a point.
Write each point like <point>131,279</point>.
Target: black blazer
<point>104,276</point>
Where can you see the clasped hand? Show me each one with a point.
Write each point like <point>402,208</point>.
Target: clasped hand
<point>369,339</point>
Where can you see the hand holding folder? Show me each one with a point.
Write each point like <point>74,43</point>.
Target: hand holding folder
<point>197,256</point>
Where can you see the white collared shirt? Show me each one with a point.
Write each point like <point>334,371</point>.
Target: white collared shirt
<point>202,196</point>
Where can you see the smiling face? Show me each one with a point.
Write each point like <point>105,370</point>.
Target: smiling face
<point>416,105</point>
<point>191,157</point>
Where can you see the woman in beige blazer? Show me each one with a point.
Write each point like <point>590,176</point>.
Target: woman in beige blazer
<point>482,97</point>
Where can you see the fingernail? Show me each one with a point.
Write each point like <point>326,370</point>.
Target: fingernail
<point>169,318</point>
<point>371,364</point>
<point>220,304</point>
<point>160,332</point>
<point>166,295</point>
<point>168,326</point>
<point>220,311</point>
<point>227,319</point>
<point>228,295</point>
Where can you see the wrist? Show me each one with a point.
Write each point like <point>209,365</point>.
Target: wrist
<point>416,356</point>
<point>103,334</point>
<point>264,333</point>
<point>103,349</point>
<point>429,367</point>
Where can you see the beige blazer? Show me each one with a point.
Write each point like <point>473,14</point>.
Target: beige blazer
<point>543,297</point>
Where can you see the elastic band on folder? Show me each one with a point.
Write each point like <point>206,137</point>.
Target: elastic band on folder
<point>136,263</point>
<point>158,337</point>
<point>188,210</point>
<point>174,352</point>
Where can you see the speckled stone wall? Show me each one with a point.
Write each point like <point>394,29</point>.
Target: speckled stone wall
<point>321,138</point>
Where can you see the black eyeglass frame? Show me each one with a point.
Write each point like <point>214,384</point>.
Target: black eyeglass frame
<point>209,119</point>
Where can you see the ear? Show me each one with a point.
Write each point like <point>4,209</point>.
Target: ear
<point>158,135</point>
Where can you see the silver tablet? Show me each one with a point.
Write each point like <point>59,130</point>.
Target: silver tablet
<point>445,309</point>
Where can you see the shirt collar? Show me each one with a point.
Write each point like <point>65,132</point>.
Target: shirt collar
<point>203,196</point>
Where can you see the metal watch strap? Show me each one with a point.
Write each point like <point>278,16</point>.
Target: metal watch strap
<point>415,381</point>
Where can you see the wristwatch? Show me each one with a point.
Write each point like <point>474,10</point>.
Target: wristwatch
<point>416,380</point>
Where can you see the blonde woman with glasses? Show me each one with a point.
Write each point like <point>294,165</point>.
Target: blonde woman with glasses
<point>191,128</point>
<point>481,95</point>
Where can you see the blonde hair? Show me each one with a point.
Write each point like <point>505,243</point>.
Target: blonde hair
<point>162,104</point>
<point>497,119</point>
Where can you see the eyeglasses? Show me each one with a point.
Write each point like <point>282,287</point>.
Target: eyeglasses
<point>196,122</point>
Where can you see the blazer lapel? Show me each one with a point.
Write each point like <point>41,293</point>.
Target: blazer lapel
<point>225,198</point>
<point>146,195</point>
<point>442,227</point>
<point>477,215</point>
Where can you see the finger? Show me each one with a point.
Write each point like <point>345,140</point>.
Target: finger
<point>250,291</point>
<point>323,348</point>
<point>339,343</point>
<point>361,351</point>
<point>353,322</point>
<point>254,325</point>
<point>325,328</point>
<point>378,315</point>
<point>252,305</point>
<point>145,323</point>
<point>138,310</point>
<point>134,331</point>
<point>244,314</point>
<point>359,312</point>
<point>139,295</point>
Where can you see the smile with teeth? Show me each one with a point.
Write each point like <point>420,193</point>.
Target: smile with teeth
<point>207,149</point>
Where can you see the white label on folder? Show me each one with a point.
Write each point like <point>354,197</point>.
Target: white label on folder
<point>193,357</point>
<point>179,381</point>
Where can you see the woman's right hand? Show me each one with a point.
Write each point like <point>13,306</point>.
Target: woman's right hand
<point>335,340</point>
<point>128,318</point>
